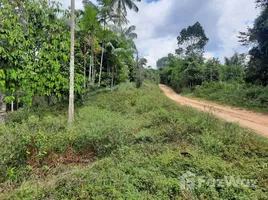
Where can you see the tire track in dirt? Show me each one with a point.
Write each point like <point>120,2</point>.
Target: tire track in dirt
<point>249,119</point>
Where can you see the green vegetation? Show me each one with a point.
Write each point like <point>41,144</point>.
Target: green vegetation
<point>35,50</point>
<point>123,146</point>
<point>256,38</point>
<point>127,141</point>
<point>239,95</point>
<point>241,81</point>
<point>192,71</point>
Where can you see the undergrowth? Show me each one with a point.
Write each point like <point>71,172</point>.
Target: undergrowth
<point>240,95</point>
<point>128,144</point>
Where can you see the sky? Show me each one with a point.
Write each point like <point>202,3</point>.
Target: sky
<point>159,22</point>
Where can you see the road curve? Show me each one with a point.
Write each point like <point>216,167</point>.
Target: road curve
<point>249,119</point>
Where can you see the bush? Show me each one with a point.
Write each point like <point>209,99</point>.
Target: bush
<point>141,143</point>
<point>240,95</point>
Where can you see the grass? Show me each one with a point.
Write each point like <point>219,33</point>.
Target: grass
<point>128,144</point>
<point>239,95</point>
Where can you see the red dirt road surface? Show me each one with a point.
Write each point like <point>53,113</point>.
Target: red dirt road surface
<point>252,120</point>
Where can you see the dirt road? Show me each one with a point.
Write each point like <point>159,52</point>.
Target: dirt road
<point>248,119</point>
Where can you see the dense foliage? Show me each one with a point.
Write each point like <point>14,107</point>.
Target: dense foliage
<point>257,70</point>
<point>35,49</point>
<point>192,41</point>
<point>140,153</point>
<point>241,80</point>
<point>128,140</point>
<point>189,72</point>
<point>239,95</point>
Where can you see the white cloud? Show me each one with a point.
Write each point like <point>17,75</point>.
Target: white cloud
<point>154,49</point>
<point>235,16</point>
<point>159,23</point>
<point>148,17</point>
<point>230,18</point>
<point>78,3</point>
<point>208,55</point>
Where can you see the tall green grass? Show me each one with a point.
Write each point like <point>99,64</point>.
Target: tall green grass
<point>239,95</point>
<point>140,142</point>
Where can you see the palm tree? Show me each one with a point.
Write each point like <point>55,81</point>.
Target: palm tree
<point>121,6</point>
<point>117,58</point>
<point>90,26</point>
<point>129,32</point>
<point>102,53</point>
<point>140,63</point>
<point>105,15</point>
<point>103,48</point>
<point>71,93</point>
<point>236,59</point>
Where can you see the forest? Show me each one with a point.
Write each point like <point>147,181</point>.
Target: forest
<point>240,80</point>
<point>82,115</point>
<point>35,51</point>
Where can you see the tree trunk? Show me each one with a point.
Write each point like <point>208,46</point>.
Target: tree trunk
<point>71,92</point>
<point>90,66</point>
<point>211,78</point>
<point>12,106</point>
<point>3,108</point>
<point>102,52</point>
<point>112,81</point>
<point>85,63</point>
<point>17,103</point>
<point>93,65</point>
<point>115,73</point>
<point>108,69</point>
<point>140,68</point>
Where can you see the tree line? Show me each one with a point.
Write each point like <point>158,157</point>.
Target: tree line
<point>35,54</point>
<point>188,67</point>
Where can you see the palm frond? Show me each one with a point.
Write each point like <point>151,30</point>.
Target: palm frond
<point>132,36</point>
<point>129,29</point>
<point>131,5</point>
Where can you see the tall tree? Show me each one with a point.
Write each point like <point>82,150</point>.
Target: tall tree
<point>162,63</point>
<point>165,62</point>
<point>71,92</point>
<point>33,52</point>
<point>210,70</point>
<point>90,26</point>
<point>262,3</point>
<point>129,32</point>
<point>257,37</point>
<point>105,15</point>
<point>104,44</point>
<point>120,7</point>
<point>140,63</point>
<point>191,41</point>
<point>236,59</point>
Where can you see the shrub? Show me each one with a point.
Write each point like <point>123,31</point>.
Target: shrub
<point>141,142</point>
<point>240,95</point>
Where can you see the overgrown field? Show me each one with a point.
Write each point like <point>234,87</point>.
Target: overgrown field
<point>239,95</point>
<point>128,144</point>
